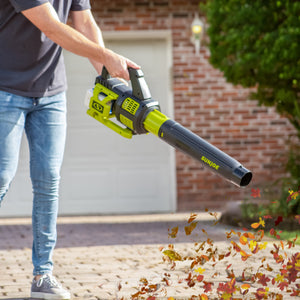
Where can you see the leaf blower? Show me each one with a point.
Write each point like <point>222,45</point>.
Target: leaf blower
<point>135,109</point>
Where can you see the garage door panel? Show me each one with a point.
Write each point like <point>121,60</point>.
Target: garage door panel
<point>135,175</point>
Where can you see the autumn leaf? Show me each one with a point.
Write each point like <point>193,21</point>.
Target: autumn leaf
<point>278,221</point>
<point>256,225</point>
<point>249,235</point>
<point>173,233</point>
<point>200,270</point>
<point>207,286</point>
<point>189,229</point>
<point>263,246</point>
<point>255,193</point>
<point>293,195</point>
<point>236,247</point>
<point>203,297</point>
<point>243,240</point>
<point>245,286</point>
<point>244,255</point>
<point>173,255</point>
<point>228,288</point>
<point>268,217</point>
<point>192,218</point>
<point>252,245</point>
<point>261,293</point>
<point>282,285</point>
<point>263,280</point>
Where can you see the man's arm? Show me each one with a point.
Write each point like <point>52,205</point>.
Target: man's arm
<point>45,18</point>
<point>84,22</point>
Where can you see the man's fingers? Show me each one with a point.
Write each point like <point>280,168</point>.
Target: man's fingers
<point>132,64</point>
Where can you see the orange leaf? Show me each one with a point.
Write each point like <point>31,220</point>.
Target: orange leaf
<point>244,255</point>
<point>192,218</point>
<point>245,286</point>
<point>236,246</point>
<point>243,240</point>
<point>204,297</point>
<point>250,235</point>
<point>255,225</point>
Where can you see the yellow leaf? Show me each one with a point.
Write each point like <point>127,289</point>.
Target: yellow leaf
<point>200,270</point>
<point>173,255</point>
<point>252,245</point>
<point>279,278</point>
<point>263,246</point>
<point>261,222</point>
<point>204,297</point>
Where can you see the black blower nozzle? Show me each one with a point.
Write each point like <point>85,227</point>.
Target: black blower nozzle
<point>219,162</point>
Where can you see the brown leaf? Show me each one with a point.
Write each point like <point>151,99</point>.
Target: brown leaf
<point>192,218</point>
<point>173,233</point>
<point>189,229</point>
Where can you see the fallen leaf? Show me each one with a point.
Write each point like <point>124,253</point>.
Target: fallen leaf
<point>200,270</point>
<point>245,286</point>
<point>173,255</point>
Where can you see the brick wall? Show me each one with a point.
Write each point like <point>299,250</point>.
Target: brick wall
<point>206,104</point>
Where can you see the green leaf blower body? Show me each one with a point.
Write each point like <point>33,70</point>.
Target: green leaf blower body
<point>135,108</point>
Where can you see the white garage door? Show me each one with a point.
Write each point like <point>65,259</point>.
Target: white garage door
<point>102,171</point>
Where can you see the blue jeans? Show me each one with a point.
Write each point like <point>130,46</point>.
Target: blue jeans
<point>44,121</point>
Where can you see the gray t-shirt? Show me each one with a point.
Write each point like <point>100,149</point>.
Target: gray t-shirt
<point>31,64</point>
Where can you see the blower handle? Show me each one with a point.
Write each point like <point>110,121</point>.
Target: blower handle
<point>140,88</point>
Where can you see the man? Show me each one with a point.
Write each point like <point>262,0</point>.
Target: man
<point>32,98</point>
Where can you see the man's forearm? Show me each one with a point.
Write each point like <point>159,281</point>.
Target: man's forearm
<point>45,18</point>
<point>84,22</point>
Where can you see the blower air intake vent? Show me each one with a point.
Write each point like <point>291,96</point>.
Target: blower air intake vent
<point>130,105</point>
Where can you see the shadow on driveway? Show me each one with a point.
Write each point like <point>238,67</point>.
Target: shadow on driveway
<point>105,234</point>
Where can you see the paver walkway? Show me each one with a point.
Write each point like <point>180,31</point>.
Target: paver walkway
<point>113,257</point>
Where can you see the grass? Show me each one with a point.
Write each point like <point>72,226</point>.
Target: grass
<point>289,235</point>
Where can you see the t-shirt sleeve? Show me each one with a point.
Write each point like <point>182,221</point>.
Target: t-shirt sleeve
<point>80,5</point>
<point>21,5</point>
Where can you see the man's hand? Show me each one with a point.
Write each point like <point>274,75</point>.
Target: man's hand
<point>118,65</point>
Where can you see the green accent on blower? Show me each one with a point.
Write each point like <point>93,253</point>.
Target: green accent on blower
<point>100,109</point>
<point>154,120</point>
